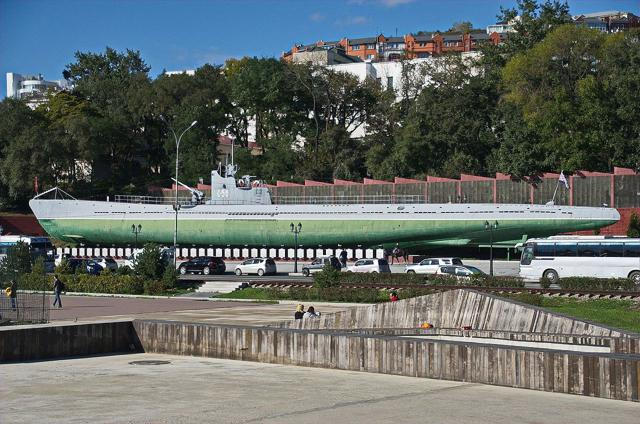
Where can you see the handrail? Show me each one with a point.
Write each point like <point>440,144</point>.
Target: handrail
<point>56,190</point>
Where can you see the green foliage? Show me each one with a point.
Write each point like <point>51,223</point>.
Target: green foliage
<point>328,277</point>
<point>64,267</point>
<point>633,230</point>
<point>528,298</point>
<point>545,283</point>
<point>587,283</point>
<point>149,265</point>
<point>124,270</point>
<point>85,283</point>
<point>169,277</point>
<point>16,263</point>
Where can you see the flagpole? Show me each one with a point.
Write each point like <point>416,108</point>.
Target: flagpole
<point>553,200</point>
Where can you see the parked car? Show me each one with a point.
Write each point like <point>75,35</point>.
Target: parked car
<point>461,272</point>
<point>373,266</point>
<point>107,263</point>
<point>260,266</point>
<point>203,265</point>
<point>166,254</point>
<point>317,264</point>
<point>430,265</point>
<point>58,259</point>
<point>91,266</point>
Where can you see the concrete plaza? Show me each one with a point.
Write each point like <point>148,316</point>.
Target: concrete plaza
<point>108,389</point>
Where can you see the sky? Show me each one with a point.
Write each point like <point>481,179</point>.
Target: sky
<point>41,36</point>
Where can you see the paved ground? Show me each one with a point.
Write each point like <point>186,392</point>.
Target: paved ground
<point>85,308</point>
<point>109,389</point>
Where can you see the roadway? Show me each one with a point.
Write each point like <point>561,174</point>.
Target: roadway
<point>285,271</point>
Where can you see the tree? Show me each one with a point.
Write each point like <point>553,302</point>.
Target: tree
<point>149,264</point>
<point>532,21</point>
<point>462,27</point>
<point>16,263</point>
<point>634,226</point>
<point>549,84</point>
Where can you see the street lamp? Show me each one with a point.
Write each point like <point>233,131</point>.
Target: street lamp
<point>490,227</point>
<point>295,229</point>
<point>176,207</point>
<point>136,230</point>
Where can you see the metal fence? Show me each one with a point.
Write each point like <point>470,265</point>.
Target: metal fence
<point>25,308</point>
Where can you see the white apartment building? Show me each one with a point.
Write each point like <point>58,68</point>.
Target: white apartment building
<point>32,88</point>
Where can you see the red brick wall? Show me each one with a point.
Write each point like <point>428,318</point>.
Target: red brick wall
<point>16,224</point>
<point>619,228</point>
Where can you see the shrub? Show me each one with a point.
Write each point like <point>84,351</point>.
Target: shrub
<point>149,264</point>
<point>169,277</point>
<point>154,287</point>
<point>124,270</point>
<point>85,283</point>
<point>64,267</point>
<point>545,283</point>
<point>588,283</point>
<point>16,263</point>
<point>634,226</point>
<point>328,277</point>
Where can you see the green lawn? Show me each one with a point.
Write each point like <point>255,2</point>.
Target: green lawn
<point>623,314</point>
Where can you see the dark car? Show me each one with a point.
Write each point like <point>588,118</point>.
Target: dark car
<point>318,264</point>
<point>91,267</point>
<point>203,265</point>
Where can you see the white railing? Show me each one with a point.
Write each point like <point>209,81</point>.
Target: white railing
<point>281,200</point>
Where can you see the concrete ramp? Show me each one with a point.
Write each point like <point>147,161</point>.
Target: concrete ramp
<point>457,309</point>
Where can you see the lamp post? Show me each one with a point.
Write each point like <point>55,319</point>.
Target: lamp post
<point>176,207</point>
<point>136,230</point>
<point>490,227</point>
<point>295,229</point>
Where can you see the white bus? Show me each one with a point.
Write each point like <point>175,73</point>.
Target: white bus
<point>38,246</point>
<point>581,256</point>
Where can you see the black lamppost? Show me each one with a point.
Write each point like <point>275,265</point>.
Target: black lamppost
<point>295,229</point>
<point>136,230</point>
<point>490,227</point>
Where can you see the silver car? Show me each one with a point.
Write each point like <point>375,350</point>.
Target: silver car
<point>260,266</point>
<point>430,265</point>
<point>107,263</point>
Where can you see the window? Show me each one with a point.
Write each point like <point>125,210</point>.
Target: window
<point>632,250</point>
<point>566,249</point>
<point>389,83</point>
<point>541,250</point>
<point>371,46</point>
<point>356,47</point>
<point>370,56</point>
<point>588,249</point>
<point>612,249</point>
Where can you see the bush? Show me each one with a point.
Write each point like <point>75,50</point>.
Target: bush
<point>328,277</point>
<point>545,283</point>
<point>85,283</point>
<point>64,267</point>
<point>634,226</point>
<point>154,287</point>
<point>169,277</point>
<point>124,270</point>
<point>16,263</point>
<point>149,264</point>
<point>362,278</point>
<point>588,283</point>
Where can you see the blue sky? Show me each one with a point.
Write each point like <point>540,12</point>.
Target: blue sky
<point>41,36</point>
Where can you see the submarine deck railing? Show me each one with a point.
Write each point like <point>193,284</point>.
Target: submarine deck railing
<point>281,200</point>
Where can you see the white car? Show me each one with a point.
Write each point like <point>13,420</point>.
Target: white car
<point>107,263</point>
<point>430,265</point>
<point>373,266</point>
<point>260,266</point>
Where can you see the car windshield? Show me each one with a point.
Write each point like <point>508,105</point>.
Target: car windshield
<point>475,270</point>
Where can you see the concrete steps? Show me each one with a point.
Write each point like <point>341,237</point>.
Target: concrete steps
<point>220,286</point>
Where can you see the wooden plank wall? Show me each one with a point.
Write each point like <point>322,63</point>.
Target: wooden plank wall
<point>610,376</point>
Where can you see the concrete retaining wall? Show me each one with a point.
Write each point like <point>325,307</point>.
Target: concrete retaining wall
<point>602,375</point>
<point>458,308</point>
<point>27,343</point>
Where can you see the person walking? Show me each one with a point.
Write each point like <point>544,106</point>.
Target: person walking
<point>58,287</point>
<point>13,294</point>
<point>343,258</point>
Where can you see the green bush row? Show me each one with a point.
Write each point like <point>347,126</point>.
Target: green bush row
<point>328,278</point>
<point>587,283</point>
<point>104,283</point>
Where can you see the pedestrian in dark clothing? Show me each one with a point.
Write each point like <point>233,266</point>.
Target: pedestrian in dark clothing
<point>13,294</point>
<point>58,287</point>
<point>299,312</point>
<point>343,258</point>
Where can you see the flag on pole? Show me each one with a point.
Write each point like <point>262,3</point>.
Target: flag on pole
<point>563,179</point>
